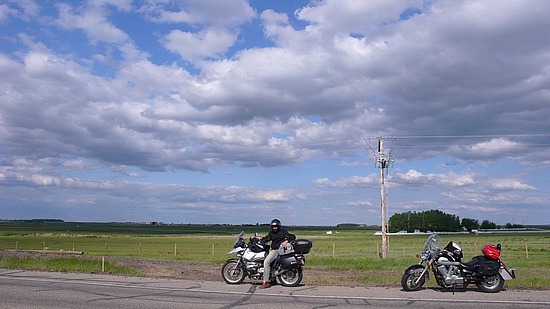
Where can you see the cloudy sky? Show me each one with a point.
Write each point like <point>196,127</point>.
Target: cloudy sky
<point>235,111</point>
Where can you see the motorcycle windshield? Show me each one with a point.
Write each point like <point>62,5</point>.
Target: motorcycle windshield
<point>433,243</point>
<point>241,234</point>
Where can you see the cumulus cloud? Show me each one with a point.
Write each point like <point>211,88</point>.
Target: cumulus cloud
<point>446,180</point>
<point>93,20</point>
<point>355,181</point>
<point>210,42</point>
<point>202,12</point>
<point>494,148</point>
<point>509,184</point>
<point>213,26</point>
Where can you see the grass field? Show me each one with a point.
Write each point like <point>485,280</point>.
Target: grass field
<point>344,249</point>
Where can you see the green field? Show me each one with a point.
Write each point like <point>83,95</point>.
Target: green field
<point>344,250</point>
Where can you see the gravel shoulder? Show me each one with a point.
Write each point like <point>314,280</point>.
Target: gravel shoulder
<point>313,275</point>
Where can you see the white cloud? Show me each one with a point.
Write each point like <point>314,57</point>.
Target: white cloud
<point>509,184</point>
<point>271,196</point>
<point>210,42</point>
<point>355,181</point>
<point>496,147</point>
<point>214,26</point>
<point>202,12</point>
<point>93,21</point>
<point>446,180</point>
<point>361,203</point>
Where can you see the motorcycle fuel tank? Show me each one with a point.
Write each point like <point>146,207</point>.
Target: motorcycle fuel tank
<point>251,256</point>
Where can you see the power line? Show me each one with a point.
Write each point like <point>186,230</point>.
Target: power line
<point>468,136</point>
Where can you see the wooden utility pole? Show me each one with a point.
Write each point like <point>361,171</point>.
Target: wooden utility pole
<point>383,163</point>
<point>382,159</point>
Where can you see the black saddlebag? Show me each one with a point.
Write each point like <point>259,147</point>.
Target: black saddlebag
<point>302,246</point>
<point>488,268</point>
<point>289,262</point>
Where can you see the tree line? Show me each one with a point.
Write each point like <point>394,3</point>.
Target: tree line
<point>436,220</point>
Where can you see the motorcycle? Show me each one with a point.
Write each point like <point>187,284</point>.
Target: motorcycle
<point>250,261</point>
<point>486,271</point>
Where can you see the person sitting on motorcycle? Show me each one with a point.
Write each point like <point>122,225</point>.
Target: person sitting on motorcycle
<point>278,237</point>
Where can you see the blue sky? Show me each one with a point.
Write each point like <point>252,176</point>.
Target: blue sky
<point>229,111</point>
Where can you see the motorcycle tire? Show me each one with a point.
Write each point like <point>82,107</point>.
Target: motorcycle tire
<point>292,277</point>
<point>233,272</point>
<point>491,284</point>
<point>409,277</point>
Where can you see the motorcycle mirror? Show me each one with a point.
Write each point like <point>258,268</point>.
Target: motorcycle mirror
<point>256,234</point>
<point>499,247</point>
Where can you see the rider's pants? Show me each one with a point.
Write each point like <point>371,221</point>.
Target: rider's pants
<point>273,254</point>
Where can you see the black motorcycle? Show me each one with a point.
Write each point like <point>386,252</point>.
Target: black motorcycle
<point>487,271</point>
<point>250,261</point>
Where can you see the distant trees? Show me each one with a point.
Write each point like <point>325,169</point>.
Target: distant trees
<point>438,221</point>
<point>470,224</point>
<point>486,224</point>
<point>430,220</point>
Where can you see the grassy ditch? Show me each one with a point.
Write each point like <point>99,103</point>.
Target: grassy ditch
<point>64,264</point>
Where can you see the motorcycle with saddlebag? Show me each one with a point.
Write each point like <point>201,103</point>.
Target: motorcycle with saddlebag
<point>486,271</point>
<point>287,268</point>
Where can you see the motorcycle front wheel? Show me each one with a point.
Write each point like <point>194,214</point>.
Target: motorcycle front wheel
<point>233,272</point>
<point>491,284</point>
<point>291,277</point>
<point>411,280</point>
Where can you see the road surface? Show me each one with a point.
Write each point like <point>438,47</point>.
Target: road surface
<point>34,289</point>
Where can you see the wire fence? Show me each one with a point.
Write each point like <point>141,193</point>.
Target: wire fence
<point>214,249</point>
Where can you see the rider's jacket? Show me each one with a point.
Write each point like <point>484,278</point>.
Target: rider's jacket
<point>278,238</point>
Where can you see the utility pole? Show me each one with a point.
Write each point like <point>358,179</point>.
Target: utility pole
<point>383,159</point>
<point>383,164</point>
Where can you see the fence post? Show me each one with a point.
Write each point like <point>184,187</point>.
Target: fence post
<point>333,250</point>
<point>175,249</point>
<point>212,249</point>
<point>526,251</point>
<point>16,244</point>
<point>103,264</point>
<point>139,249</point>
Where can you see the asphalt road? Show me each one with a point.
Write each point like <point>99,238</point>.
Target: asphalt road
<point>33,289</point>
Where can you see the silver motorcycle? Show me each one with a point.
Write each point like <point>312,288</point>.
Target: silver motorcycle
<point>287,268</point>
<point>486,271</point>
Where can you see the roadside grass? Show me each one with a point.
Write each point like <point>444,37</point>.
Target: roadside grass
<point>66,264</point>
<point>346,250</point>
<point>360,263</point>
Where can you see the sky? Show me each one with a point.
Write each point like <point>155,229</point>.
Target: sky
<point>237,112</point>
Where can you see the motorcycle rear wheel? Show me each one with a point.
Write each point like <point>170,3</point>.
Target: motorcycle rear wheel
<point>408,280</point>
<point>491,284</point>
<point>292,277</point>
<point>233,272</point>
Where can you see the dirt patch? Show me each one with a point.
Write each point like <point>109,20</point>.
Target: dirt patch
<point>313,275</point>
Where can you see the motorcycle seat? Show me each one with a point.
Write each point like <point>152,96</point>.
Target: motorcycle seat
<point>474,263</point>
<point>471,265</point>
